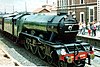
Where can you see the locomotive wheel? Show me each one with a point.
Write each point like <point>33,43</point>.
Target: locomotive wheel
<point>41,53</point>
<point>27,43</point>
<point>33,49</point>
<point>62,64</point>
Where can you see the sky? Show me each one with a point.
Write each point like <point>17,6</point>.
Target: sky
<point>19,5</point>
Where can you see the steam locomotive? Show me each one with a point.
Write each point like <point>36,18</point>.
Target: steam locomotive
<point>52,37</point>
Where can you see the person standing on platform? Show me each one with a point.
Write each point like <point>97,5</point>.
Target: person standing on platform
<point>89,29</point>
<point>93,27</point>
<point>83,28</point>
<point>80,27</point>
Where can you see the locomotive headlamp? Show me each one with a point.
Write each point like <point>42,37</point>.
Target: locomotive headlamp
<point>70,28</point>
<point>63,52</point>
<point>92,56</point>
<point>69,60</point>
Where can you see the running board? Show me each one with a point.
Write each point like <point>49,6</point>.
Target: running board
<point>38,38</point>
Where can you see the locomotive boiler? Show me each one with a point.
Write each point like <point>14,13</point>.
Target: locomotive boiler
<point>52,28</point>
<point>52,37</point>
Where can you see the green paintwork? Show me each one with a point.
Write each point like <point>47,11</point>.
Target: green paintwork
<point>35,26</point>
<point>8,25</point>
<point>38,22</point>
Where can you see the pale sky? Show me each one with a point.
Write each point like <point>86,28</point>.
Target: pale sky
<point>19,5</point>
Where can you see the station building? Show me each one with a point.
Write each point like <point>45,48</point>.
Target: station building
<point>85,10</point>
